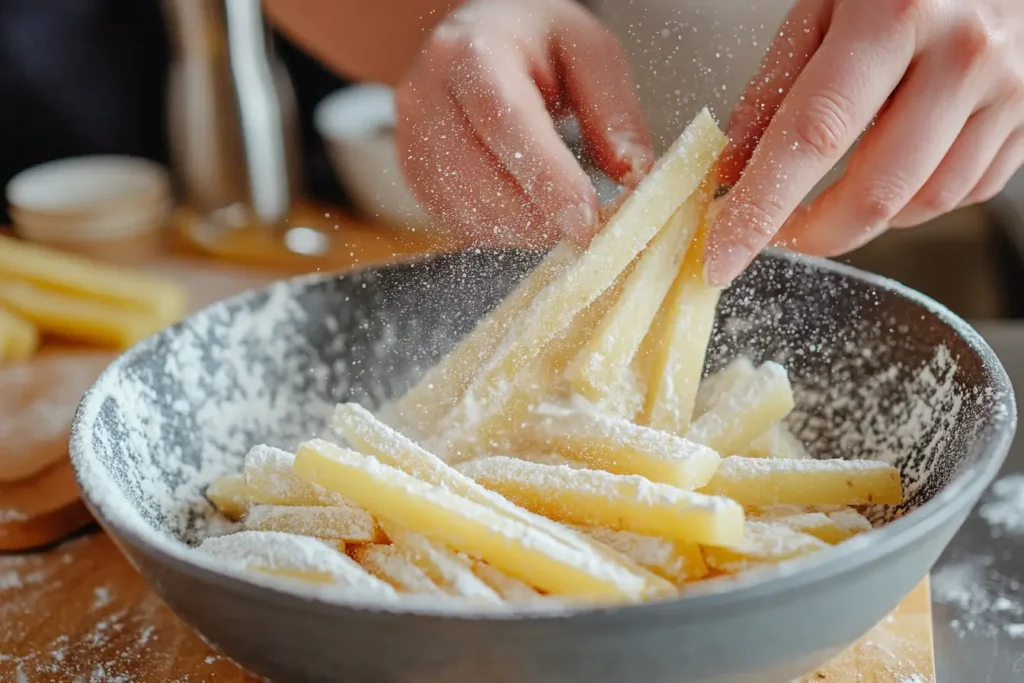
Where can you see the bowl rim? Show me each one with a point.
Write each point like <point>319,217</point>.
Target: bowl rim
<point>770,583</point>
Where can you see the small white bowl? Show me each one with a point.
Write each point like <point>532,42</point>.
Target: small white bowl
<point>358,128</point>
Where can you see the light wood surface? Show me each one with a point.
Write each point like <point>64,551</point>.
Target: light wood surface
<point>80,612</point>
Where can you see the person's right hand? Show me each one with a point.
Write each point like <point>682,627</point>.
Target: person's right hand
<point>476,137</point>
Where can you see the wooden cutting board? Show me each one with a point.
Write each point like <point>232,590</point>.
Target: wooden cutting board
<point>80,612</point>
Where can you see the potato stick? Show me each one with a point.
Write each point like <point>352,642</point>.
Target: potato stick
<point>343,522</point>
<point>739,369</point>
<point>777,441</point>
<point>673,179</point>
<point>616,501</point>
<point>745,411</point>
<point>271,480</point>
<point>677,343</point>
<point>676,561</point>
<point>622,447</point>
<point>230,495</point>
<point>295,556</point>
<point>368,434</point>
<point>763,542</point>
<point>388,563</point>
<point>162,301</point>
<point>816,524</point>
<point>510,589</point>
<point>445,568</point>
<point>19,338</point>
<point>516,548</point>
<point>421,408</point>
<point>494,425</point>
<point>763,481</point>
<point>75,318</point>
<point>596,372</point>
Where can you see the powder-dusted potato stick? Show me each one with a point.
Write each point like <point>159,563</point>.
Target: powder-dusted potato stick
<point>510,589</point>
<point>616,501</point>
<point>676,175</point>
<point>57,271</point>
<point>764,542</point>
<point>76,318</point>
<point>677,343</point>
<point>817,524</point>
<point>19,338</point>
<point>523,551</point>
<point>422,407</point>
<point>344,522</point>
<point>230,495</point>
<point>271,480</point>
<point>739,369</point>
<point>763,481</point>
<point>620,446</point>
<point>389,563</point>
<point>294,556</point>
<point>676,561</point>
<point>498,423</point>
<point>744,412</point>
<point>445,568</point>
<point>596,372</point>
<point>368,434</point>
<point>776,442</point>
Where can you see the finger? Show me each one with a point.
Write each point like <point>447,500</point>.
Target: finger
<point>600,89</point>
<point>798,38</point>
<point>832,101</point>
<point>1004,166</point>
<point>894,160</point>
<point>492,85</point>
<point>455,177</point>
<point>962,168</point>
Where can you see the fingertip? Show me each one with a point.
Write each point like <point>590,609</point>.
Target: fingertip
<point>724,257</point>
<point>577,222</point>
<point>632,155</point>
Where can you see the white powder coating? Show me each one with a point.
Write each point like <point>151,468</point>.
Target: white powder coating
<point>442,566</point>
<point>1003,508</point>
<point>270,470</point>
<point>766,541</point>
<point>647,551</point>
<point>737,468</point>
<point>344,522</point>
<point>741,398</point>
<point>388,563</point>
<point>596,483</point>
<point>510,589</point>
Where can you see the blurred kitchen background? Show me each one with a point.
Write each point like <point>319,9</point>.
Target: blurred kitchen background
<point>255,130</point>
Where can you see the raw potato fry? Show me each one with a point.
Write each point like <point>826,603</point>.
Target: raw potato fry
<point>763,481</point>
<point>675,176</point>
<point>344,522</point>
<point>596,498</point>
<point>739,369</point>
<point>368,434</point>
<point>230,495</point>
<point>745,411</point>
<point>676,561</point>
<point>597,371</point>
<point>444,567</point>
<point>80,279</point>
<point>818,524</point>
<point>510,589</point>
<point>298,557</point>
<point>677,343</point>
<point>765,542</point>
<point>19,338</point>
<point>388,563</point>
<point>271,480</point>
<point>619,446</point>
<point>516,548</point>
<point>777,442</point>
<point>76,318</point>
<point>437,392</point>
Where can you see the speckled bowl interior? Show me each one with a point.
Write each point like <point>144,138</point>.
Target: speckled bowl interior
<point>880,372</point>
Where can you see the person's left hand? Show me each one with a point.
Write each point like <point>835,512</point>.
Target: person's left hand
<point>939,82</point>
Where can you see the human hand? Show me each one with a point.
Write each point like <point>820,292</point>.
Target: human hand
<point>939,82</point>
<point>476,137</point>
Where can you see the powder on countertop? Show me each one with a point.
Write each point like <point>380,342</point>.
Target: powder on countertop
<point>985,600</point>
<point>1003,508</point>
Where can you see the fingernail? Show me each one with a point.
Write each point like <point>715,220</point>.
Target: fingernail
<point>723,264</point>
<point>577,222</point>
<point>635,154</point>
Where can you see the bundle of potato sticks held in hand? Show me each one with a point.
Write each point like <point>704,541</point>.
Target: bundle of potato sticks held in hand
<point>567,449</point>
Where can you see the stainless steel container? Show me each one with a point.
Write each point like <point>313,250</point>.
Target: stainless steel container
<point>232,117</point>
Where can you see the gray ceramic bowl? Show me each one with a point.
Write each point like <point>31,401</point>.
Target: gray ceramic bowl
<point>881,372</point>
